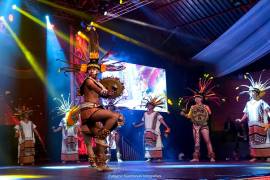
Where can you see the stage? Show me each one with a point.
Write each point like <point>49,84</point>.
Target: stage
<point>142,170</point>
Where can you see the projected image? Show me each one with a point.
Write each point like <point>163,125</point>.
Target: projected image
<point>140,81</point>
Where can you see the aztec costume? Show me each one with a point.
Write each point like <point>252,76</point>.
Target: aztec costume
<point>199,115</point>
<point>114,145</point>
<point>96,121</point>
<point>69,126</point>
<point>257,112</point>
<point>93,112</point>
<point>25,131</point>
<point>152,135</point>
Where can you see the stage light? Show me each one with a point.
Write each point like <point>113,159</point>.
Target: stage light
<point>83,36</point>
<point>51,26</point>
<point>121,2</point>
<point>14,6</point>
<point>91,26</point>
<point>2,18</point>
<point>22,176</point>
<point>41,23</point>
<point>170,102</point>
<point>105,13</point>
<point>28,55</point>
<point>68,10</point>
<point>10,17</point>
<point>131,40</point>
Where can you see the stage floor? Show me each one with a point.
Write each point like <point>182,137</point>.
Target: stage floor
<point>141,170</point>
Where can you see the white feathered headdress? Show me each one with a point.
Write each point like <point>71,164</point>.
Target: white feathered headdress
<point>157,101</point>
<point>258,86</point>
<point>67,108</point>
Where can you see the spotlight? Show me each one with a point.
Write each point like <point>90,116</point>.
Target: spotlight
<point>91,26</point>
<point>105,13</point>
<point>47,17</point>
<point>2,18</point>
<point>14,6</point>
<point>79,32</point>
<point>51,26</point>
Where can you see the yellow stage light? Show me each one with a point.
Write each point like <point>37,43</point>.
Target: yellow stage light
<point>170,102</point>
<point>126,38</point>
<point>41,23</point>
<point>30,58</point>
<point>83,35</point>
<point>68,10</point>
<point>22,176</point>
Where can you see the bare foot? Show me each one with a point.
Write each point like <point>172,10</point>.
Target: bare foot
<point>194,160</point>
<point>253,160</point>
<point>104,168</point>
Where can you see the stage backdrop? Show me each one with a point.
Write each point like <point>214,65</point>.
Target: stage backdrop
<point>140,82</point>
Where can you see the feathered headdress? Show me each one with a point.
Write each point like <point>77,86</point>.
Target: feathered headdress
<point>67,108</point>
<point>157,101</point>
<point>20,112</point>
<point>205,90</point>
<point>92,58</point>
<point>258,86</point>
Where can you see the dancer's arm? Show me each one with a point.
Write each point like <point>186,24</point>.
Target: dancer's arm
<point>188,115</point>
<point>164,123</point>
<point>40,139</point>
<point>208,109</point>
<point>138,125</point>
<point>17,131</point>
<point>56,129</point>
<point>244,117</point>
<point>93,85</point>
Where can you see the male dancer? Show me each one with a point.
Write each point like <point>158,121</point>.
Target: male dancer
<point>257,111</point>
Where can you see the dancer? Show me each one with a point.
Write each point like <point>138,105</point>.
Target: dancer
<point>69,126</point>
<point>96,121</point>
<point>257,113</point>
<point>25,132</point>
<point>114,145</point>
<point>92,111</point>
<point>199,115</point>
<point>152,135</point>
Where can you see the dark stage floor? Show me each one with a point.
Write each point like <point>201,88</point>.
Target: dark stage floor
<point>142,170</point>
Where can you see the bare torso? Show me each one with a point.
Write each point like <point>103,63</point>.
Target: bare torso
<point>91,92</point>
<point>90,95</point>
